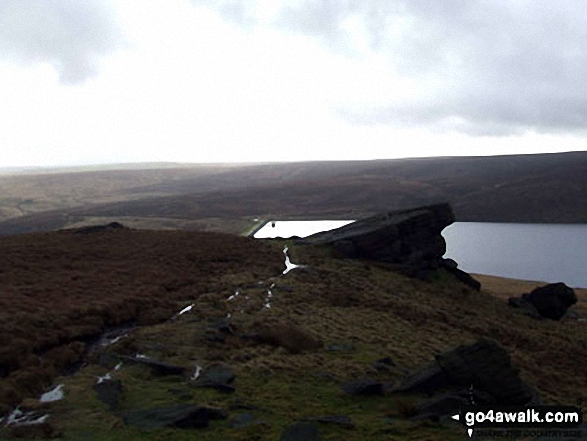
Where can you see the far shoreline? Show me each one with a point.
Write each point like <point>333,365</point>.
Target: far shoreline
<point>505,287</point>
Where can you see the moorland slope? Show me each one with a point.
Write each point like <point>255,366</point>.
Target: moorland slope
<point>61,290</point>
<point>546,188</point>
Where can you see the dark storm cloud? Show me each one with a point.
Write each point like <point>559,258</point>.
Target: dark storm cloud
<point>480,66</point>
<point>68,34</point>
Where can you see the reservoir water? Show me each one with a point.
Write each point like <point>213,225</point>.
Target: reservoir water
<point>297,228</point>
<point>542,252</point>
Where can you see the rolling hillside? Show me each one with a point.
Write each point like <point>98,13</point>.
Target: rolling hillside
<point>547,188</point>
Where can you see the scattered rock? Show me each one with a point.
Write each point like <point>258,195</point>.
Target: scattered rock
<point>214,336</point>
<point>222,325</point>
<point>339,420</point>
<point>572,315</point>
<point>427,380</point>
<point>158,368</point>
<point>449,264</point>
<point>550,301</point>
<point>109,391</point>
<point>240,405</point>
<point>386,360</point>
<point>485,365</point>
<point>285,335</point>
<point>43,430</point>
<point>108,360</point>
<point>364,387</point>
<point>382,367</point>
<point>525,307</point>
<point>384,364</point>
<point>464,277</point>
<point>182,416</point>
<point>217,376</point>
<point>242,420</point>
<point>440,406</point>
<point>301,432</point>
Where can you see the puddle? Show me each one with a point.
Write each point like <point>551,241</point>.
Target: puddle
<point>20,418</point>
<point>108,376</point>
<point>239,294</point>
<point>196,374</point>
<point>268,298</point>
<point>109,337</point>
<point>235,295</point>
<point>286,229</point>
<point>186,309</point>
<point>288,265</point>
<point>183,311</point>
<point>55,394</point>
<point>104,378</point>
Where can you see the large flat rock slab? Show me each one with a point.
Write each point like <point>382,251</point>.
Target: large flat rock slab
<point>411,239</point>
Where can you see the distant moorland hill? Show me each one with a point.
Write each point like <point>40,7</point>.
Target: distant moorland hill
<point>545,188</point>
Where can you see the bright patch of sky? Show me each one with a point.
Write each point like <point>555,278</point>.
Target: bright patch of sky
<point>98,82</point>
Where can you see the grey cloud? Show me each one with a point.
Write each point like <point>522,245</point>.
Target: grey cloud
<point>71,35</point>
<point>236,11</point>
<point>496,67</point>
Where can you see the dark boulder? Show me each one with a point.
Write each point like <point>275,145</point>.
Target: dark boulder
<point>552,300</point>
<point>484,365</point>
<point>364,387</point>
<point>440,406</point>
<point>242,420</point>
<point>157,368</point>
<point>408,236</point>
<point>386,360</point>
<point>217,376</point>
<point>384,364</point>
<point>409,240</point>
<point>525,307</point>
<point>427,380</point>
<point>109,391</point>
<point>182,416</point>
<point>337,420</point>
<point>451,266</point>
<point>300,432</point>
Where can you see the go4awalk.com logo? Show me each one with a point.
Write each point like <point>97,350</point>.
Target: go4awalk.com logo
<point>516,418</point>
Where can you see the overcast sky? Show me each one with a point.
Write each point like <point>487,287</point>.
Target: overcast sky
<point>89,82</point>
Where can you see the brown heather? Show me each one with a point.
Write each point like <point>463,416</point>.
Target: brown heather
<point>60,290</point>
